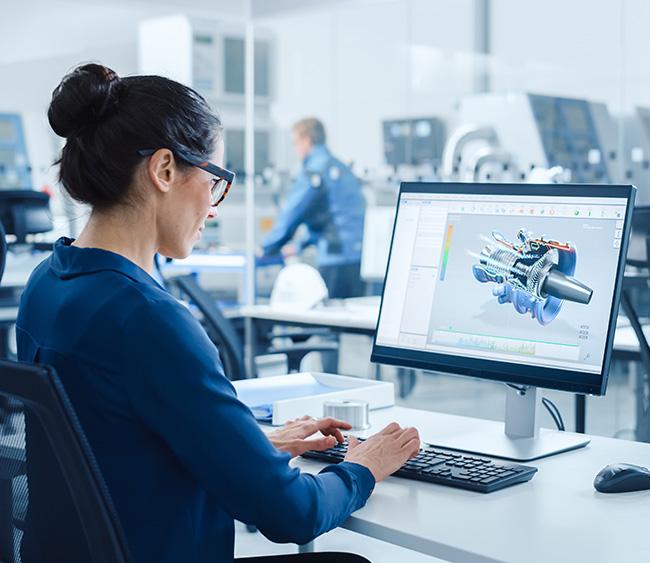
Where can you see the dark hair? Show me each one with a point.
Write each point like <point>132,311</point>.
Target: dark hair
<point>107,119</point>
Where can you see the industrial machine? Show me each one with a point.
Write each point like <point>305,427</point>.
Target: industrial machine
<point>636,151</point>
<point>414,141</point>
<point>518,136</point>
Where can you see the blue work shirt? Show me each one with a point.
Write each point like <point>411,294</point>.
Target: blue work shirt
<point>327,198</point>
<point>181,455</point>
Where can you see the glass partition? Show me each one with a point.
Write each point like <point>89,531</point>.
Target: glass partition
<point>469,91</point>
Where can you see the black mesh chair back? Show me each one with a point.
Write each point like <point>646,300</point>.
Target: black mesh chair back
<point>54,504</point>
<point>218,327</point>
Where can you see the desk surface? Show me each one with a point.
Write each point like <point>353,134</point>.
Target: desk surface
<point>353,314</point>
<point>558,516</point>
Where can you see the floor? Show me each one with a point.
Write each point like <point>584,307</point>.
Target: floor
<point>612,415</point>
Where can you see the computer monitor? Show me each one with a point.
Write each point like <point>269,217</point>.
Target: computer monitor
<point>377,229</point>
<point>517,283</point>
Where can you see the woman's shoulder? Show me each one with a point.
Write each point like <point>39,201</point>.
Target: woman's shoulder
<point>159,323</point>
<point>153,302</point>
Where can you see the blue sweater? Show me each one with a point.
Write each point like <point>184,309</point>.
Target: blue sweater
<point>181,455</point>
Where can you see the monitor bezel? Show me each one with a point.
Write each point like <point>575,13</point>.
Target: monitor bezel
<point>507,372</point>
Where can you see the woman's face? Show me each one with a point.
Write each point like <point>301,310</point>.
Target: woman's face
<point>184,215</point>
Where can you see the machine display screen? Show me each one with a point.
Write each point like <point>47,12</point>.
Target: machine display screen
<point>568,135</point>
<point>413,141</point>
<point>7,158</point>
<point>7,132</point>
<point>577,118</point>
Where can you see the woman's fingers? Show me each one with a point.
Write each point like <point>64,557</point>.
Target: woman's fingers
<point>390,428</point>
<point>412,446</point>
<point>299,447</point>
<point>332,427</point>
<point>328,422</point>
<point>406,436</point>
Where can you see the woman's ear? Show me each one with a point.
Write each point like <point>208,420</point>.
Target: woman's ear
<point>161,169</point>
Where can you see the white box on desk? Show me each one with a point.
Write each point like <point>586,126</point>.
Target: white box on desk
<point>378,394</point>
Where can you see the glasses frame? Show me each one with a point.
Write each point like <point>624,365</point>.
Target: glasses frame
<point>195,160</point>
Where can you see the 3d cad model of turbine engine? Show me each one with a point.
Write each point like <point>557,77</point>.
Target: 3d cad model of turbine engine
<point>535,274</point>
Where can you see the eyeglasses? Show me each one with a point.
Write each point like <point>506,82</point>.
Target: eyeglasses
<point>223,178</point>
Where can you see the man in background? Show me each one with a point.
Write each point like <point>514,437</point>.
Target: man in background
<point>326,197</point>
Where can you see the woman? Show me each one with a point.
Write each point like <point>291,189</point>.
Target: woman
<point>181,456</point>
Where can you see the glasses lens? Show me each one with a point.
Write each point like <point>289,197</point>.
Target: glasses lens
<point>219,190</point>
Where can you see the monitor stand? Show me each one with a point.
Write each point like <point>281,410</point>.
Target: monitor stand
<point>519,439</point>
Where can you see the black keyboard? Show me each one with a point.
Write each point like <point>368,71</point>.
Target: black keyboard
<point>447,467</point>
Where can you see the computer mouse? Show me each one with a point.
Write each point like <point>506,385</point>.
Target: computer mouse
<point>621,478</point>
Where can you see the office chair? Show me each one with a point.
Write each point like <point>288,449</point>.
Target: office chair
<point>67,495</point>
<point>225,337</point>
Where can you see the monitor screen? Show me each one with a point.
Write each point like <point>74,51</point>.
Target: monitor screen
<point>510,282</point>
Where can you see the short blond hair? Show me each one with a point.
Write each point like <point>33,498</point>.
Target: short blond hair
<point>312,128</point>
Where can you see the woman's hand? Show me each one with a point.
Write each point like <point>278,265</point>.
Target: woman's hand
<point>294,436</point>
<point>385,452</point>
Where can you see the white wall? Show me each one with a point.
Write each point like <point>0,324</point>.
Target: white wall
<point>42,40</point>
<point>357,65</point>
<point>563,48</point>
<point>354,66</point>
<point>595,49</point>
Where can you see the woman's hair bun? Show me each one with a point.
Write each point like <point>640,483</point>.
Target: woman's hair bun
<point>84,97</point>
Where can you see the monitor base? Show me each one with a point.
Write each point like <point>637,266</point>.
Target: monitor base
<point>494,443</point>
<point>520,438</point>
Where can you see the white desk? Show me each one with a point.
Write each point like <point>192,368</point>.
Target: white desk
<point>558,516</point>
<point>353,315</point>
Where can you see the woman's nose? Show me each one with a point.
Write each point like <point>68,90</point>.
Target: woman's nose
<point>212,212</point>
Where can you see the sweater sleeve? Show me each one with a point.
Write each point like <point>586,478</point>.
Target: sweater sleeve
<point>304,199</point>
<point>180,391</point>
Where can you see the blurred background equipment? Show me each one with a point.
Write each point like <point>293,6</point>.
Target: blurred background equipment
<point>508,136</point>
<point>15,170</point>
